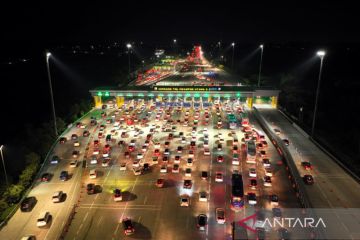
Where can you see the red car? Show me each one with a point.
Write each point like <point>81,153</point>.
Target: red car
<point>131,148</point>
<point>157,152</point>
<point>220,158</point>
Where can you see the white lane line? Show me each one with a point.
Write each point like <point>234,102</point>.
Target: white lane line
<point>139,219</point>
<point>101,218</point>
<point>145,200</point>
<point>85,216</point>
<point>117,228</point>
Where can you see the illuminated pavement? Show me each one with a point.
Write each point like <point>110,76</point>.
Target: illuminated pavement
<point>156,212</point>
<point>24,223</point>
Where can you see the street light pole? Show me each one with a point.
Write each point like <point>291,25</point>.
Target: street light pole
<point>2,158</point>
<point>232,61</point>
<point>48,55</point>
<point>128,47</point>
<point>321,54</point>
<point>261,56</point>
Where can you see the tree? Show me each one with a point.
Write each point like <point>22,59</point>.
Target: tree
<point>3,205</point>
<point>13,193</point>
<point>32,158</point>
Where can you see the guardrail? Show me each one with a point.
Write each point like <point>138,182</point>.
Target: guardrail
<point>7,218</point>
<point>295,178</point>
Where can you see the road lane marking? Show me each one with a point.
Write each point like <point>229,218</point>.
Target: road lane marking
<point>101,218</point>
<point>145,200</point>
<point>85,216</point>
<point>139,219</point>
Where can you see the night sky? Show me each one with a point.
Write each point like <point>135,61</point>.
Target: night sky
<point>158,22</point>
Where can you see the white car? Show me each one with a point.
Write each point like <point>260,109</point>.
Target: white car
<point>202,196</point>
<point>189,162</point>
<point>252,172</point>
<point>252,198</point>
<point>175,168</point>
<point>139,156</point>
<point>191,154</point>
<point>137,171</point>
<point>76,144</point>
<point>136,163</point>
<point>163,169</point>
<point>157,145</point>
<point>268,172</point>
<point>184,201</point>
<point>123,167</point>
<point>219,177</point>
<point>73,163</point>
<point>220,215</point>
<point>93,160</point>
<point>206,152</point>
<point>188,172</point>
<point>267,181</point>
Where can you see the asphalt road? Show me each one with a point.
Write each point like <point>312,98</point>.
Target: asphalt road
<point>156,212</point>
<point>24,223</point>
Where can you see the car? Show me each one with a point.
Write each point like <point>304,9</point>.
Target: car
<point>187,184</point>
<point>123,166</point>
<point>220,215</point>
<point>274,200</point>
<point>127,154</point>
<point>286,142</point>
<point>267,181</point>
<point>139,156</point>
<point>221,140</point>
<point>62,140</point>
<point>202,222</point>
<point>268,171</point>
<point>96,143</point>
<point>277,131</point>
<point>46,177</point>
<point>55,160</point>
<point>175,168</point>
<point>204,175</point>
<point>146,167</point>
<point>262,153</point>
<point>252,172</point>
<point>220,158</point>
<point>167,151</point>
<point>191,154</point>
<point>75,154</point>
<point>306,165</point>
<point>184,200</point>
<point>137,171</point>
<point>128,226</point>
<point>28,204</point>
<point>253,183</point>
<point>202,196</point>
<point>189,162</point>
<point>74,136</point>
<point>90,188</point>
<point>86,133</point>
<point>219,147</point>
<point>283,234</point>
<point>163,168</point>
<point>157,152</point>
<point>264,143</point>
<point>183,140</point>
<point>177,159</point>
<point>252,198</point>
<point>57,196</point>
<point>155,159</point>
<point>206,152</point>
<point>76,144</point>
<point>188,172</point>
<point>266,162</point>
<point>308,179</point>
<point>117,195</point>
<point>219,177</point>
<point>179,149</point>
<point>106,162</point>
<point>93,173</point>
<point>160,182</point>
<point>28,237</point>
<point>73,163</point>
<point>64,175</point>
<point>276,213</point>
<point>43,219</point>
<point>136,163</point>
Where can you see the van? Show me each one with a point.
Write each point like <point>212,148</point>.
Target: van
<point>57,196</point>
<point>93,173</point>
<point>43,219</point>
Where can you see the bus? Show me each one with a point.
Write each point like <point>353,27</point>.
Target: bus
<point>237,192</point>
<point>250,152</point>
<point>232,121</point>
<point>244,119</point>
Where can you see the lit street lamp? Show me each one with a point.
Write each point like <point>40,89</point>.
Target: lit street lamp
<point>129,47</point>
<point>2,158</point>
<point>48,55</point>
<point>262,50</point>
<point>321,54</point>
<point>232,61</point>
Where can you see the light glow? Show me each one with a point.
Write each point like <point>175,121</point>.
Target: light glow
<point>321,53</point>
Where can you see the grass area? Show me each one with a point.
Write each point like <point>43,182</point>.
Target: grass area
<point>7,211</point>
